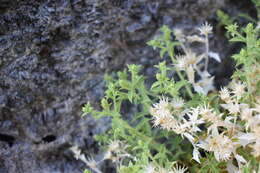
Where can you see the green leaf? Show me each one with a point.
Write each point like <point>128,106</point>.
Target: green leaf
<point>232,29</point>
<point>86,109</point>
<point>87,171</point>
<point>162,52</point>
<point>166,32</point>
<point>134,69</point>
<point>224,19</point>
<point>237,39</point>
<point>124,84</point>
<point>105,105</point>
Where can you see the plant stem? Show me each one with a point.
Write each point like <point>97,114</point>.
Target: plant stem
<point>182,79</point>
<point>188,89</point>
<point>207,53</point>
<point>186,86</point>
<point>154,144</point>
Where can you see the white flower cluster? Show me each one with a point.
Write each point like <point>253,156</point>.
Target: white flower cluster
<point>191,63</point>
<point>116,152</point>
<point>170,116</point>
<point>90,162</point>
<point>249,114</point>
<point>235,126</point>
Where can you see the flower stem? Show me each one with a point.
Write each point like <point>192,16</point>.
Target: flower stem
<point>188,89</point>
<point>207,53</point>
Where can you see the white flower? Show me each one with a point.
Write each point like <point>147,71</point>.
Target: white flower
<point>233,108</point>
<point>194,120</point>
<point>187,127</point>
<point>178,169</point>
<point>149,169</point>
<point>191,57</point>
<point>177,103</point>
<point>162,113</point>
<point>179,35</point>
<point>196,154</point>
<point>114,146</point>
<point>162,108</point>
<point>182,63</point>
<point>204,85</point>
<point>165,122</point>
<point>91,163</point>
<point>225,95</point>
<point>76,151</point>
<point>205,29</point>
<point>229,123</point>
<point>185,61</point>
<point>219,144</point>
<point>238,89</point>
<point>247,115</point>
<point>245,138</point>
<point>208,114</point>
<point>240,159</point>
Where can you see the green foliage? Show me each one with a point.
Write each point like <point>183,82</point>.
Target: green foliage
<point>86,109</point>
<point>164,42</point>
<point>249,56</point>
<point>224,18</point>
<point>160,147</point>
<point>164,85</point>
<point>87,171</point>
<point>129,86</point>
<point>249,36</point>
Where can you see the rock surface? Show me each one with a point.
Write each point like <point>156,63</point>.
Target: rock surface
<point>53,55</point>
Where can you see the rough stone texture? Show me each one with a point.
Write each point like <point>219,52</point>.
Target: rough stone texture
<point>53,55</point>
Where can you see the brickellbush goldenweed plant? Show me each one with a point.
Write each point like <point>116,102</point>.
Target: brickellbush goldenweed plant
<point>181,122</point>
